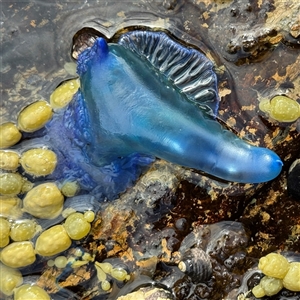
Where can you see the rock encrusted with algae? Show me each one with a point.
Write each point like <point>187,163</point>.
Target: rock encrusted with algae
<point>262,80</point>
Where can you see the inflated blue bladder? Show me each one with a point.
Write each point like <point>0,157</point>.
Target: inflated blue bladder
<point>148,96</point>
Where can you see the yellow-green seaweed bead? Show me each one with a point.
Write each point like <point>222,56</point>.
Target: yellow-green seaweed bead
<point>258,291</point>
<point>106,267</point>
<point>9,160</point>
<point>274,265</point>
<point>10,206</point>
<point>31,292</point>
<point>18,254</point>
<point>105,285</point>
<point>4,228</point>
<point>27,186</point>
<point>4,232</point>
<point>11,183</point>
<point>9,135</point>
<point>50,263</point>
<point>78,263</point>
<point>101,275</point>
<point>64,93</point>
<point>70,188</point>
<point>39,161</point>
<point>265,105</point>
<point>61,262</point>
<point>284,109</point>
<point>34,116</point>
<point>119,274</point>
<point>89,216</point>
<point>76,226</point>
<point>271,285</point>
<point>88,257</point>
<point>291,281</point>
<point>22,230</point>
<point>9,279</point>
<point>44,201</point>
<point>53,241</point>
<point>281,108</point>
<point>4,241</point>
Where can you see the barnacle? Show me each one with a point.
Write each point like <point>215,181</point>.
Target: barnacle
<point>196,263</point>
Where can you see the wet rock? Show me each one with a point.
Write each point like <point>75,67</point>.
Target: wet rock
<point>293,180</point>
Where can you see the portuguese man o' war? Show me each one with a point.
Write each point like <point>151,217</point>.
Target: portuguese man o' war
<point>146,96</point>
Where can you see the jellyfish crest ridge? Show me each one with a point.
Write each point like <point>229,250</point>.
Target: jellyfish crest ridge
<point>188,69</point>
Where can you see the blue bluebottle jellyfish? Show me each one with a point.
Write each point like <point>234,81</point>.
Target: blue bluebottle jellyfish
<point>146,96</point>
